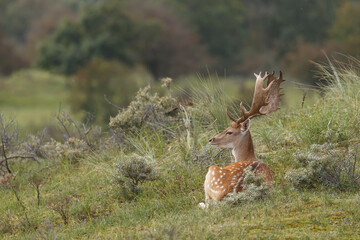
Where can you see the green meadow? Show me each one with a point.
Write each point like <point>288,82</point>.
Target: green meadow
<point>75,195</point>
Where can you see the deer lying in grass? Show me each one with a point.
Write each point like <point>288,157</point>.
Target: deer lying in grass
<point>221,181</point>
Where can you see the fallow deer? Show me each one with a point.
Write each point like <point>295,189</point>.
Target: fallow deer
<point>221,181</point>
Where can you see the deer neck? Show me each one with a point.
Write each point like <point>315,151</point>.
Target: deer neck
<point>244,149</point>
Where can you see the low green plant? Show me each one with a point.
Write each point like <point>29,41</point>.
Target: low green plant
<point>134,170</point>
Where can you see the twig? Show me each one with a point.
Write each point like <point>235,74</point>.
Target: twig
<point>303,100</point>
<point>24,157</point>
<point>4,155</point>
<point>355,160</point>
<point>112,104</point>
<point>20,202</point>
<point>63,125</point>
<point>76,126</point>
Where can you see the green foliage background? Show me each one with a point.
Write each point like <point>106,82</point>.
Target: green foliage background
<point>95,205</point>
<point>67,55</point>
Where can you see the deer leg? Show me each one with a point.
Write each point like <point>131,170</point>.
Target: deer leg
<point>207,202</point>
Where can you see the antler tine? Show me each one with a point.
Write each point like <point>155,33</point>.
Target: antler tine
<point>231,117</point>
<point>244,113</point>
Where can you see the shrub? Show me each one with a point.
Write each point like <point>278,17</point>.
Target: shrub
<point>85,131</point>
<point>325,165</point>
<point>135,170</point>
<point>254,188</point>
<point>11,147</point>
<point>145,111</point>
<point>72,149</point>
<point>61,205</point>
<point>32,146</point>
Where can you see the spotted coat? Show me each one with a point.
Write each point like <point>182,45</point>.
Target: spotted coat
<point>221,181</point>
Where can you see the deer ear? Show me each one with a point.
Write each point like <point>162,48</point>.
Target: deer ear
<point>245,125</point>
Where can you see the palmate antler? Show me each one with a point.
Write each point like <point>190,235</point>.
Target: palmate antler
<point>265,100</point>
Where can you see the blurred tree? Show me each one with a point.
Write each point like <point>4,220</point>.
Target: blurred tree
<point>9,59</point>
<point>43,26</point>
<point>25,22</point>
<point>293,22</point>
<point>62,52</point>
<point>139,33</point>
<point>286,32</point>
<point>17,16</point>
<point>100,78</point>
<point>169,47</point>
<point>104,30</point>
<point>299,63</point>
<point>346,29</point>
<point>221,26</point>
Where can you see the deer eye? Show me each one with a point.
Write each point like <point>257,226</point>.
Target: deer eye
<point>229,133</point>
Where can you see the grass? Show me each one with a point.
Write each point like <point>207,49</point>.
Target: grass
<point>33,96</point>
<point>168,208</point>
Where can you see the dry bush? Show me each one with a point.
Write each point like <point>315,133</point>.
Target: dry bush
<point>72,149</point>
<point>33,145</point>
<point>134,170</point>
<point>84,131</point>
<point>11,146</point>
<point>146,111</point>
<point>61,205</point>
<point>328,166</point>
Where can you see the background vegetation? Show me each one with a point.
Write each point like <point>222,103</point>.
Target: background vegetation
<point>140,42</point>
<point>106,108</point>
<point>144,179</point>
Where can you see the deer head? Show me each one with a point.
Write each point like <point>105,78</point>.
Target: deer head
<point>237,136</point>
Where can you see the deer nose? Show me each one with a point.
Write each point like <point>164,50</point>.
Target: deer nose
<point>211,140</point>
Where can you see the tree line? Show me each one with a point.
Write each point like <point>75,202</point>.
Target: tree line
<point>110,48</point>
<point>175,37</point>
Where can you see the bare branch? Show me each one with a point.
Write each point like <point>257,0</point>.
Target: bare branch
<point>112,104</point>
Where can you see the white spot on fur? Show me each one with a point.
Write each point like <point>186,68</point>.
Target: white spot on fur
<point>214,191</point>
